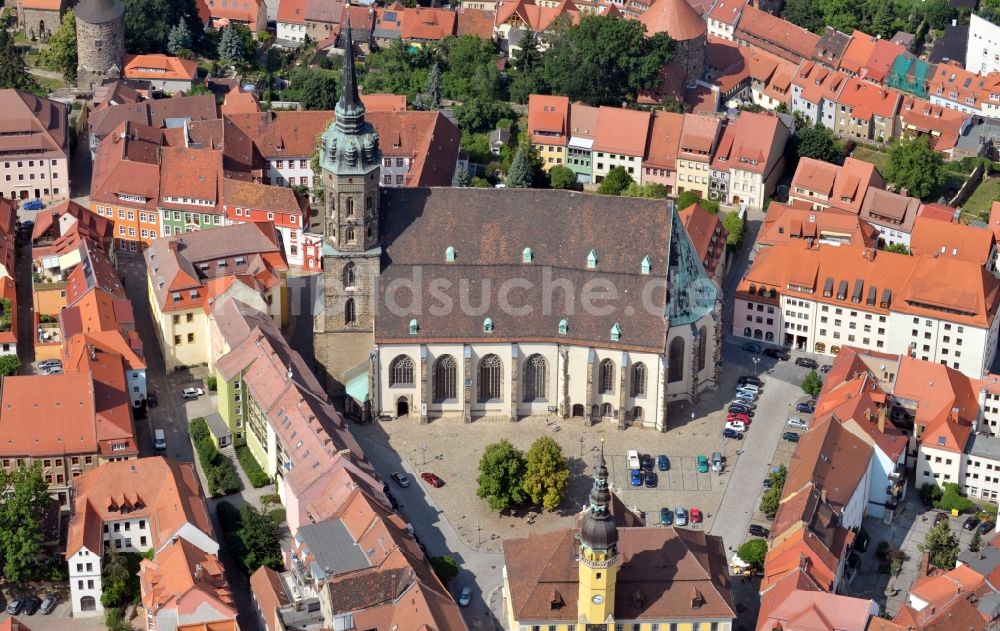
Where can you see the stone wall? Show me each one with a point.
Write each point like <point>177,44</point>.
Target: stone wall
<point>32,22</point>
<point>101,51</point>
<point>690,56</point>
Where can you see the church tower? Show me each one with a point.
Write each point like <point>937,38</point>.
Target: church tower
<point>350,161</point>
<point>598,565</point>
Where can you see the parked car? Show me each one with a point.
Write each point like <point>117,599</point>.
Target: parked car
<point>192,393</point>
<point>825,368</point>
<point>791,437</point>
<point>649,479</point>
<point>465,597</point>
<point>400,479</point>
<point>34,204</point>
<point>151,399</point>
<point>757,381</point>
<point>758,531</point>
<point>48,605</point>
<point>749,387</point>
<point>736,426</point>
<point>797,423</point>
<point>805,408</point>
<point>737,416</point>
<point>970,523</point>
<point>15,606</point>
<point>666,516</point>
<point>696,517</point>
<point>768,483</point>
<point>636,477</point>
<point>739,408</point>
<point>777,353</point>
<point>680,516</point>
<point>985,527</point>
<point>807,362</point>
<point>940,517</point>
<point>744,395</point>
<point>432,479</point>
<point>646,461</point>
<point>159,440</point>
<point>732,433</point>
<point>49,363</point>
<point>747,403</point>
<point>31,605</point>
<point>662,463</point>
<point>702,464</point>
<point>718,464</point>
<point>52,370</point>
<point>750,347</point>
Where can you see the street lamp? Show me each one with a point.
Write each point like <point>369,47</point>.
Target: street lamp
<point>479,532</point>
<point>423,448</point>
<point>756,360</point>
<point>581,446</point>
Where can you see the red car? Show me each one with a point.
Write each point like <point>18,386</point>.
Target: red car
<point>696,516</point>
<point>432,479</point>
<point>735,416</point>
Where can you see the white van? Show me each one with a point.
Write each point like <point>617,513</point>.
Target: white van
<point>632,458</point>
<point>159,440</point>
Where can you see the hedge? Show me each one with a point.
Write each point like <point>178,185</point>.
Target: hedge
<point>251,467</point>
<point>222,477</point>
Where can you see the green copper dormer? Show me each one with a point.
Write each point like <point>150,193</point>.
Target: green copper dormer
<point>616,333</point>
<point>414,328</point>
<point>488,325</point>
<point>592,260</point>
<point>449,254</point>
<point>646,265</point>
<point>527,255</point>
<point>563,326</point>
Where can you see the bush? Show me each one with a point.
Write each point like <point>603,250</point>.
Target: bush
<point>445,567</point>
<point>952,499</point>
<point>277,515</point>
<point>270,498</point>
<point>753,552</point>
<point>212,382</point>
<point>219,471</point>
<point>251,467</point>
<point>930,493</point>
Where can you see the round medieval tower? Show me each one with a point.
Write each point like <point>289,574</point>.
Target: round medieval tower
<point>100,42</point>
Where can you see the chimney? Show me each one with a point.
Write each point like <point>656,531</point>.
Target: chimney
<point>822,495</point>
<point>198,570</point>
<point>288,375</point>
<point>881,420</point>
<point>92,351</point>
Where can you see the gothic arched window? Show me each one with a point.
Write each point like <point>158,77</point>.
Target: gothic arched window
<point>401,371</point>
<point>639,380</point>
<point>535,378</point>
<point>490,370</point>
<point>607,376</point>
<point>444,378</point>
<point>675,360</point>
<point>350,313</point>
<point>350,275</point>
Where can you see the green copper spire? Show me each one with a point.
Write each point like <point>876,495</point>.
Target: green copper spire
<point>350,110</point>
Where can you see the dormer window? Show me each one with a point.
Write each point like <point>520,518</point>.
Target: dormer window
<point>646,266</point>
<point>414,327</point>
<point>527,255</point>
<point>592,260</point>
<point>616,333</point>
<point>449,254</point>
<point>488,325</point>
<point>563,326</point>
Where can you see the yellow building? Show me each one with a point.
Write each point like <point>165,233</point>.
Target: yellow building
<point>548,121</point>
<point>699,135</point>
<point>612,572</point>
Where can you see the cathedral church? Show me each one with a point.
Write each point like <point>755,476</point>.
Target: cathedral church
<point>504,302</point>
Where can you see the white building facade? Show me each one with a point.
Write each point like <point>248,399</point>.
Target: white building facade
<point>982,54</point>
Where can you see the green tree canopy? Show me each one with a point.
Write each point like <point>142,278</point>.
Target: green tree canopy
<point>976,543</point>
<point>650,190</point>
<point>232,49</point>
<point>398,69</point>
<point>519,175</point>
<point>317,90</point>
<point>753,552</point>
<point>501,471</point>
<point>546,475</point>
<point>734,227</point>
<point>615,182</point>
<point>120,580</point>
<point>9,364</point>
<point>13,71</point>
<point>471,69</point>
<point>817,142</point>
<point>561,176</point>
<point>915,165</point>
<point>21,514</point>
<point>179,39</point>
<point>261,539</point>
<point>605,60</point>
<point>481,115</point>
<point>461,178</point>
<point>942,546</point>
<point>148,23</point>
<point>433,88</point>
<point>812,384</point>
<point>445,567</point>
<point>61,54</point>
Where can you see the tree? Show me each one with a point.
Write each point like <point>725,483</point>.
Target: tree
<point>615,182</point>
<point>471,71</point>
<point>114,620</point>
<point>501,471</point>
<point>546,475</point>
<point>561,176</point>
<point>231,46</point>
<point>649,190</point>
<point>753,552</point>
<point>21,513</point>
<point>479,115</point>
<point>528,57</point>
<point>769,502</point>
<point>261,539</point>
<point>179,38</point>
<point>930,493</point>
<point>915,165</point>
<point>445,567</point>
<point>120,581</point>
<point>461,178</point>
<point>941,545</point>
<point>898,248</point>
<point>9,364</point>
<point>148,23</point>
<point>734,227</point>
<point>398,69</point>
<point>520,175</point>
<point>812,384</point>
<point>952,499</point>
<point>433,88</point>
<point>318,91</point>
<point>605,60</point>
<point>13,71</point>
<point>479,182</point>
<point>976,544</point>
<point>817,142</point>
<point>61,54</point>
<point>805,13</point>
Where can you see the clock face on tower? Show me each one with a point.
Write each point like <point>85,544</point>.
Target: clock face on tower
<point>598,599</point>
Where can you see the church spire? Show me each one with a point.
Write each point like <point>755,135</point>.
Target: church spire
<point>350,110</point>
<point>598,531</point>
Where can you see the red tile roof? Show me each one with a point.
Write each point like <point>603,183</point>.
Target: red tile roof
<point>775,35</point>
<point>955,240</point>
<point>159,67</point>
<point>428,24</point>
<point>292,11</point>
<point>676,18</point>
<point>868,100</point>
<point>548,119</point>
<point>785,222</point>
<point>622,131</point>
<point>707,234</point>
<point>664,140</point>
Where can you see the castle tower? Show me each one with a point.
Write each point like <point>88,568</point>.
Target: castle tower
<point>100,42</point>
<point>350,162</point>
<point>598,565</point>
<point>681,22</point>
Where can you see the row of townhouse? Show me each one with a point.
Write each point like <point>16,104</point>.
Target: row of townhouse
<point>735,161</point>
<point>153,182</point>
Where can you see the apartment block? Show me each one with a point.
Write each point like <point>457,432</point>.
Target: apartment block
<point>548,127</point>
<point>36,165</point>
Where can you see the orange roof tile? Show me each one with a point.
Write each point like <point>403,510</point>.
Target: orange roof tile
<point>159,67</point>
<point>292,11</point>
<point>548,118</point>
<point>707,234</point>
<point>622,131</point>
<point>664,140</point>
<point>428,24</point>
<point>676,18</point>
<point>868,100</point>
<point>785,222</point>
<point>187,580</point>
<point>384,102</point>
<point>775,35</point>
<point>954,240</point>
<point>859,50</point>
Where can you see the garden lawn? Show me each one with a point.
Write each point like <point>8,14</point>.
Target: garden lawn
<point>879,158</point>
<point>979,202</point>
